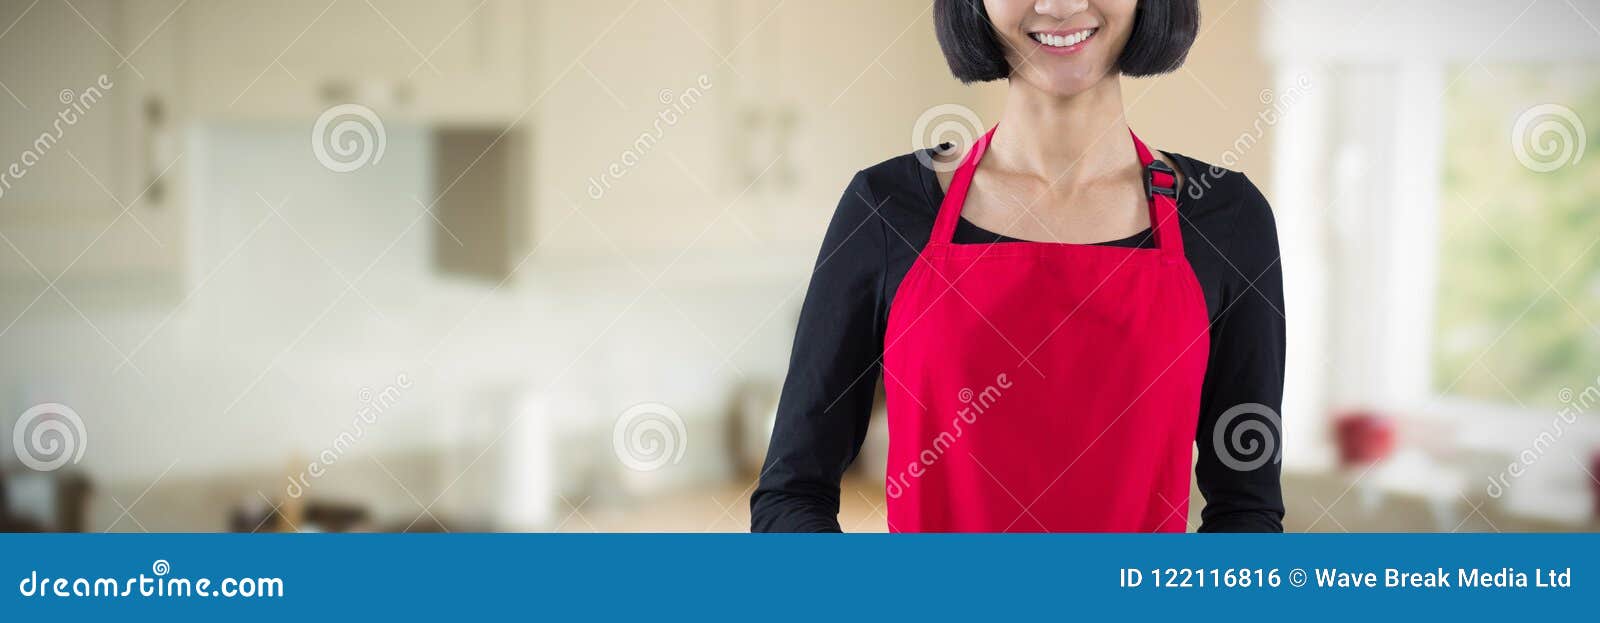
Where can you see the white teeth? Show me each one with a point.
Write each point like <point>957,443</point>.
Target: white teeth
<point>1058,41</point>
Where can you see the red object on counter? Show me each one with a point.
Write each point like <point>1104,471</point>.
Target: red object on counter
<point>1364,437</point>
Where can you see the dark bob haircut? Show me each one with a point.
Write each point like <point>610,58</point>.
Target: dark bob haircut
<point>1163,30</point>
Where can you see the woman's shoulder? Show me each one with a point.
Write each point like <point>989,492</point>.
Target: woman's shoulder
<point>898,188</point>
<point>1213,190</point>
<point>905,173</point>
<point>899,194</point>
<point>1227,209</point>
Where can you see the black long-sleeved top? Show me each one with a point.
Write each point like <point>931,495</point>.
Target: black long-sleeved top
<point>880,226</point>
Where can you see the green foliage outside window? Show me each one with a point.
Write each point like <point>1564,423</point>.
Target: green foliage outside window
<point>1510,232</point>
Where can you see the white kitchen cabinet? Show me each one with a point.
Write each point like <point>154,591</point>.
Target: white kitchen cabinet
<point>818,87</point>
<point>799,94</point>
<point>77,191</point>
<point>173,65</point>
<point>612,136</point>
<point>436,60</point>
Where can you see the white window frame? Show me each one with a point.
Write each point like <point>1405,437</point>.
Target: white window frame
<point>1354,165</point>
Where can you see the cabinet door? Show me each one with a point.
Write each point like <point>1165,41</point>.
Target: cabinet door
<point>800,95</point>
<point>832,95</point>
<point>449,58</point>
<point>70,144</point>
<point>59,113</point>
<point>632,99</point>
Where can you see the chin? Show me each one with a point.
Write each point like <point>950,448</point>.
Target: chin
<point>1065,82</point>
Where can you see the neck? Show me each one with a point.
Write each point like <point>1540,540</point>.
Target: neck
<point>1064,139</point>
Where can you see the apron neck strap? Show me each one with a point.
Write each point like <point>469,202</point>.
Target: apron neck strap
<point>1160,183</point>
<point>944,225</point>
<point>1161,190</point>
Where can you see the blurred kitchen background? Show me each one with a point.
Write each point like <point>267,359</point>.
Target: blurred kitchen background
<point>502,265</point>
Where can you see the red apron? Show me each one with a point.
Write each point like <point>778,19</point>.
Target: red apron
<point>1038,386</point>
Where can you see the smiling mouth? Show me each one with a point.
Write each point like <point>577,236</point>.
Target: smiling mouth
<point>1063,40</point>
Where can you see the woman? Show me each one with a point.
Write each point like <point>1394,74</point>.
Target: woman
<point>1039,377</point>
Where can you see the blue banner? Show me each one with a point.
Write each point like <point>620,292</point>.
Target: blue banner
<point>793,577</point>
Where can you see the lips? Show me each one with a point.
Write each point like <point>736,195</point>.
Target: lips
<point>1064,41</point>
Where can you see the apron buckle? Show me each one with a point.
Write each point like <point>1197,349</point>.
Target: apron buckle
<point>1169,184</point>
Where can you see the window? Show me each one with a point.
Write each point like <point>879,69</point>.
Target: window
<point>1518,308</point>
